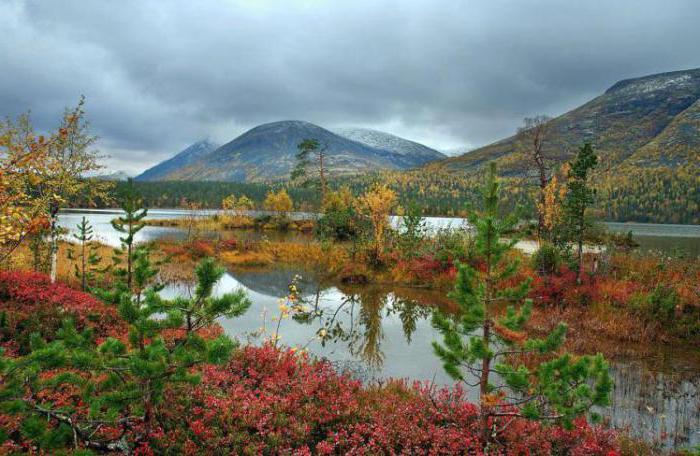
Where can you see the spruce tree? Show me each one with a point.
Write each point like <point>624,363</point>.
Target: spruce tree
<point>128,224</point>
<point>87,260</point>
<point>579,196</point>
<point>481,343</point>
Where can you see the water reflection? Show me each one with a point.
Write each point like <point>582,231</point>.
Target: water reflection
<point>358,321</point>
<point>378,332</point>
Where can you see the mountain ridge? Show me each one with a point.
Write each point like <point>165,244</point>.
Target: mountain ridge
<point>267,152</point>
<point>619,123</point>
<point>185,157</point>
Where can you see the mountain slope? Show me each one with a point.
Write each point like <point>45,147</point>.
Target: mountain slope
<point>635,120</point>
<point>115,176</point>
<point>185,158</point>
<point>416,154</point>
<point>268,152</point>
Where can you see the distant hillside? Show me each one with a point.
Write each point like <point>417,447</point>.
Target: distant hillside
<point>183,159</point>
<point>115,176</point>
<point>647,121</point>
<point>268,153</point>
<point>646,132</point>
<point>417,154</point>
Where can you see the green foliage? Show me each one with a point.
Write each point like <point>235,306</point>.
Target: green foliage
<point>413,230</point>
<point>129,225</point>
<point>547,259</point>
<point>662,302</point>
<point>478,342</point>
<point>87,265</point>
<point>304,149</point>
<point>340,219</point>
<point>579,196</point>
<point>121,383</point>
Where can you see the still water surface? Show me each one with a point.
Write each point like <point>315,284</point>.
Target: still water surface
<point>378,332</point>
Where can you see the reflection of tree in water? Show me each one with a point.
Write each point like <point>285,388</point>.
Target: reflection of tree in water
<point>357,320</point>
<point>409,312</point>
<point>372,302</point>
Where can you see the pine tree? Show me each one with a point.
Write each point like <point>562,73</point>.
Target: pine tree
<point>306,148</point>
<point>120,384</point>
<point>481,343</point>
<point>414,229</point>
<point>128,224</point>
<point>579,196</point>
<point>88,260</point>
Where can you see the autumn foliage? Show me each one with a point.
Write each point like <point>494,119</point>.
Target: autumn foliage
<point>271,401</point>
<point>277,401</point>
<point>31,303</point>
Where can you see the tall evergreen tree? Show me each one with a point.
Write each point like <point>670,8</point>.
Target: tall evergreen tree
<point>579,197</point>
<point>480,342</point>
<point>306,148</point>
<point>128,224</point>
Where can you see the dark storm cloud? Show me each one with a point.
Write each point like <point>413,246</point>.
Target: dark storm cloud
<point>159,75</point>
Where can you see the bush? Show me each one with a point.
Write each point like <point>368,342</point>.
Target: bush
<point>452,245</point>
<point>546,260</point>
<point>662,302</point>
<point>341,225</point>
<point>30,303</point>
<point>272,401</point>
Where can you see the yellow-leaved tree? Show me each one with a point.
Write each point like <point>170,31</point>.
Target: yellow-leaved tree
<point>64,174</point>
<point>279,202</point>
<point>377,205</point>
<point>23,155</point>
<point>550,207</point>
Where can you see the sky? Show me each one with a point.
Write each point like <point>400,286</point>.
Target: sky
<point>160,75</point>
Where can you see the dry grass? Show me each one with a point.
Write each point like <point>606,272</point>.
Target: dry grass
<point>22,259</point>
<point>222,222</point>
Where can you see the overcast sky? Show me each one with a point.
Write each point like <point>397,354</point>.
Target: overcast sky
<point>160,75</point>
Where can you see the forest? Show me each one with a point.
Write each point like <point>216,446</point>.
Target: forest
<point>651,196</point>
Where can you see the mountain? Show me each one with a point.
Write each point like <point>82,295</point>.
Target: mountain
<point>183,159</point>
<point>651,121</point>
<point>115,176</point>
<point>416,153</point>
<point>646,132</point>
<point>268,152</point>
<point>456,151</point>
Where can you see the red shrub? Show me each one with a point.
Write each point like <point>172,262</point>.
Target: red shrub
<point>562,289</point>
<point>228,244</point>
<point>272,401</point>
<point>32,303</point>
<point>426,269</point>
<point>617,292</point>
<point>267,401</point>
<point>200,249</point>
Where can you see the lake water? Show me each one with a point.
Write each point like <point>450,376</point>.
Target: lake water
<point>377,332</point>
<point>651,237</point>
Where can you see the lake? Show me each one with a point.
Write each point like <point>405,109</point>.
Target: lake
<point>671,239</point>
<point>376,332</point>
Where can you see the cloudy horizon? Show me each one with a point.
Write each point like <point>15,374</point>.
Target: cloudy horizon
<point>159,76</point>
